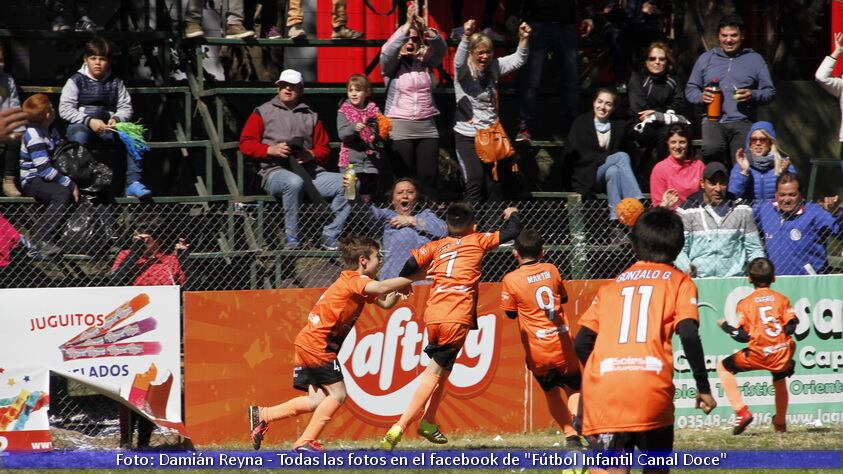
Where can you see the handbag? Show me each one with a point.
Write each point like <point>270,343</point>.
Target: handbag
<point>492,145</point>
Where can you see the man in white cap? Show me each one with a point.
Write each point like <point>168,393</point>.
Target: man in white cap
<point>291,145</point>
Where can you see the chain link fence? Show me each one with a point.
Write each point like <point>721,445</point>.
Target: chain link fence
<point>241,245</point>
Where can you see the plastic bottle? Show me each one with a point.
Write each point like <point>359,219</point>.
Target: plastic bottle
<point>715,107</point>
<point>351,188</point>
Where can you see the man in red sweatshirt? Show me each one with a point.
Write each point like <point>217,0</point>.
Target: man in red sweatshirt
<point>291,145</point>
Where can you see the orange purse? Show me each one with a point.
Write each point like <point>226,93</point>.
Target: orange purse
<point>492,145</point>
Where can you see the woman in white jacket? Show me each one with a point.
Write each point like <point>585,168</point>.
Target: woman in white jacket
<point>834,85</point>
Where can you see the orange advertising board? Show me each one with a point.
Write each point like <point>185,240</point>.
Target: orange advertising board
<point>239,352</point>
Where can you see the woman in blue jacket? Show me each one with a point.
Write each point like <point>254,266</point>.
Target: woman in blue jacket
<point>758,164</point>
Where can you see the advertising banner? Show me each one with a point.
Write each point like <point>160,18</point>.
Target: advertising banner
<point>124,342</point>
<point>816,390</point>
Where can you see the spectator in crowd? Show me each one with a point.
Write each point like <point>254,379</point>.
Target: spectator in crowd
<point>833,85</point>
<point>477,72</point>
<point>38,177</point>
<point>678,176</point>
<point>11,239</point>
<point>11,121</point>
<point>744,82</point>
<point>405,226</point>
<point>407,58</point>
<point>92,101</point>
<point>234,28</point>
<point>357,126</point>
<point>9,153</point>
<point>594,148</point>
<point>286,136</point>
<point>758,164</point>
<point>339,19</point>
<point>654,93</point>
<point>555,31</point>
<point>66,15</point>
<point>720,232</point>
<point>146,263</point>
<point>794,231</point>
<point>630,26</point>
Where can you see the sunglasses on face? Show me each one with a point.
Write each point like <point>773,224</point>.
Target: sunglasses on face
<point>758,139</point>
<point>415,39</point>
<point>654,58</point>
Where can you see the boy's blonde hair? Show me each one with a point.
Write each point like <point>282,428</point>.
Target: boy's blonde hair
<point>36,108</point>
<point>359,81</point>
<point>353,247</point>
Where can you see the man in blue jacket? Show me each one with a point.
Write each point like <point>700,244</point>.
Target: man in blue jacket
<point>745,83</point>
<point>794,231</point>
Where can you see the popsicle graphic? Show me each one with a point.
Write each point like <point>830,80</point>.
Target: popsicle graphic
<point>123,332</point>
<point>76,352</point>
<point>123,312</point>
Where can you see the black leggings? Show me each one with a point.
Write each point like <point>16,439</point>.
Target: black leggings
<point>478,175</point>
<point>10,154</point>
<point>417,158</point>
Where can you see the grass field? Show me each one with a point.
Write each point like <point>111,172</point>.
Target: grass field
<point>755,438</point>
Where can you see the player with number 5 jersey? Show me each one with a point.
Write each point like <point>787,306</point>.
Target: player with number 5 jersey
<point>767,322</point>
<point>454,263</point>
<point>624,341</point>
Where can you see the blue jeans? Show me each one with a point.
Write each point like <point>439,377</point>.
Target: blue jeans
<point>562,41</point>
<point>80,133</point>
<point>616,174</point>
<point>288,188</point>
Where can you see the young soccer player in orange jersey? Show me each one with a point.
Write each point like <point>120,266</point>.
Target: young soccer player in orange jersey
<point>766,321</point>
<point>534,294</point>
<point>317,370</point>
<point>454,262</point>
<point>624,341</point>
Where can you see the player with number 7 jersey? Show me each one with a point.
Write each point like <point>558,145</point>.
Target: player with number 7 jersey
<point>624,341</point>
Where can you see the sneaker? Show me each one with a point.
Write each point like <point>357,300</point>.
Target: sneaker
<point>344,32</point>
<point>456,33</point>
<point>393,436</point>
<point>296,32</point>
<point>573,442</point>
<point>137,189</point>
<point>257,428</point>
<point>274,34</point>
<point>742,419</point>
<point>237,31</point>
<point>780,427</point>
<point>430,432</point>
<point>193,29</point>
<point>9,188</point>
<point>291,243</point>
<point>86,24</point>
<point>493,35</point>
<point>329,244</point>
<point>523,133</point>
<point>59,24</point>
<point>309,447</point>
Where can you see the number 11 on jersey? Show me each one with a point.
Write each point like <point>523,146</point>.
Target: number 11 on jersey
<point>628,293</point>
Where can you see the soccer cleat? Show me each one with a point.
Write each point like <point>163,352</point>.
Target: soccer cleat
<point>237,31</point>
<point>309,447</point>
<point>393,436</point>
<point>742,419</point>
<point>257,428</point>
<point>430,432</point>
<point>573,442</point>
<point>780,427</point>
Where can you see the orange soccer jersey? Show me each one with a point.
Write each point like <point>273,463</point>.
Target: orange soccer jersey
<point>330,321</point>
<point>763,315</point>
<point>454,263</point>
<point>536,292</point>
<point>628,380</point>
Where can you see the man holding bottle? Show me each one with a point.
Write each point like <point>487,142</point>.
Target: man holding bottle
<point>737,75</point>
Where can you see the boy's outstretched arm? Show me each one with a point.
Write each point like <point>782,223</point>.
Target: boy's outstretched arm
<point>388,300</point>
<point>738,334</point>
<point>513,225</point>
<point>389,285</point>
<point>688,330</point>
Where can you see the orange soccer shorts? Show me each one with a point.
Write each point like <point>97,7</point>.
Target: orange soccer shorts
<point>444,341</point>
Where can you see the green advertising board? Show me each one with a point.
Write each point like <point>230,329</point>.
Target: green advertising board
<point>816,390</point>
